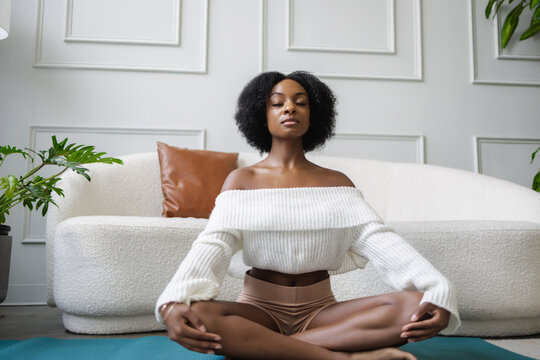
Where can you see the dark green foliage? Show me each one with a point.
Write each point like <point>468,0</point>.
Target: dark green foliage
<point>35,192</point>
<point>536,180</point>
<point>512,19</point>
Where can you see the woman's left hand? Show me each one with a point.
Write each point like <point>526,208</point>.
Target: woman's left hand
<point>422,326</point>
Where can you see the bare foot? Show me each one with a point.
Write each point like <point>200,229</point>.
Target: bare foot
<point>389,353</point>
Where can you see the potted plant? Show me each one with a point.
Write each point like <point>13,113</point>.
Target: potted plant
<point>34,191</point>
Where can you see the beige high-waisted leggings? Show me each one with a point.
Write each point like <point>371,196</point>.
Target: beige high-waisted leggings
<point>291,307</point>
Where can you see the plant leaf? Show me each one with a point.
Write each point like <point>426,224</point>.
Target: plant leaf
<point>28,204</point>
<point>7,150</point>
<point>59,191</point>
<point>38,192</point>
<point>532,30</point>
<point>536,15</point>
<point>4,208</point>
<point>533,4</point>
<point>536,182</point>
<point>534,154</point>
<point>41,154</point>
<point>10,183</point>
<point>44,210</point>
<point>489,7</point>
<point>510,24</point>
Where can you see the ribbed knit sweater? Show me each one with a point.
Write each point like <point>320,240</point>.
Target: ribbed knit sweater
<point>299,230</point>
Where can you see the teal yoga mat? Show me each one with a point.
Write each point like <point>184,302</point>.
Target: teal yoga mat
<point>160,347</point>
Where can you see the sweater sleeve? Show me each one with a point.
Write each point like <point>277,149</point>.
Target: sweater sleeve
<point>403,268</point>
<point>203,269</point>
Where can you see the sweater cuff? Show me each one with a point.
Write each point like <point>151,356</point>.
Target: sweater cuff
<point>444,297</point>
<point>186,292</point>
<point>162,302</point>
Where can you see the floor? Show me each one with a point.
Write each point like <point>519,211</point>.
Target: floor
<point>23,322</point>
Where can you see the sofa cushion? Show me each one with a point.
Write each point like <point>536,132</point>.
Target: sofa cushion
<point>192,179</point>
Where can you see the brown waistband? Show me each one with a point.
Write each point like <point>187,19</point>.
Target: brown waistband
<point>286,294</point>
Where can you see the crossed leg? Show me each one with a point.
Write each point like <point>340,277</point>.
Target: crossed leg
<point>365,323</point>
<point>247,332</point>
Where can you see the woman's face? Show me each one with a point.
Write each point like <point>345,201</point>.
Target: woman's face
<point>287,110</point>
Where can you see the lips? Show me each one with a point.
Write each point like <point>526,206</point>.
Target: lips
<point>289,120</point>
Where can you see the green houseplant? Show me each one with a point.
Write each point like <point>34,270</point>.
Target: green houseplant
<point>35,191</point>
<point>536,180</point>
<point>512,19</point>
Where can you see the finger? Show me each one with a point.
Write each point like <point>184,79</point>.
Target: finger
<point>190,347</point>
<point>424,324</point>
<point>204,346</point>
<point>202,351</point>
<point>422,310</point>
<point>418,334</point>
<point>194,319</point>
<point>391,354</point>
<point>193,333</point>
<point>409,356</point>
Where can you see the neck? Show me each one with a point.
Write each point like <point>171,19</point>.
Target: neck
<point>286,154</point>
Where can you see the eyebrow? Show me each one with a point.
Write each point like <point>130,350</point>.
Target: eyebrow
<point>278,93</point>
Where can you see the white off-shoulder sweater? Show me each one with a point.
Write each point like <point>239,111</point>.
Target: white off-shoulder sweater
<point>299,230</point>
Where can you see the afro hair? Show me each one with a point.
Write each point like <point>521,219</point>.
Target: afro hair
<point>251,110</point>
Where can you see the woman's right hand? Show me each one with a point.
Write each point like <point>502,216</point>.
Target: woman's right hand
<point>185,328</point>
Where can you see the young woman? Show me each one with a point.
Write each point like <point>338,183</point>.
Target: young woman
<point>295,221</point>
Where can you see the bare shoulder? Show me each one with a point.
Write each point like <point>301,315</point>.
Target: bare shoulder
<point>237,179</point>
<point>335,178</point>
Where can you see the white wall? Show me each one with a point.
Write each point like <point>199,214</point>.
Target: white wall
<point>412,84</point>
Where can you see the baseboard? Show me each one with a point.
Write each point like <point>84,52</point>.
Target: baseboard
<point>26,294</point>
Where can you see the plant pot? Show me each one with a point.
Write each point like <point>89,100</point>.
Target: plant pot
<point>5,257</point>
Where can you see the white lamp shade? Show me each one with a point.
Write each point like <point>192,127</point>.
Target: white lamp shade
<point>5,14</point>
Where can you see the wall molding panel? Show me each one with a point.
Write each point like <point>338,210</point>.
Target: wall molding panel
<point>183,50</point>
<point>516,65</point>
<point>388,48</point>
<point>506,158</point>
<point>173,38</point>
<point>478,141</point>
<point>385,147</point>
<point>114,141</point>
<point>399,58</point>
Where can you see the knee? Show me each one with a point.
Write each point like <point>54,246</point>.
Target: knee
<point>207,310</point>
<point>409,302</point>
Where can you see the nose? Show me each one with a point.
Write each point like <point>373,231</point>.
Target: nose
<point>289,108</point>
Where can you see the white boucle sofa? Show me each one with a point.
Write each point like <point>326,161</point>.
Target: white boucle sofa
<point>110,253</point>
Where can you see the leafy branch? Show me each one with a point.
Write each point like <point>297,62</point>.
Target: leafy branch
<point>536,180</point>
<point>33,190</point>
<point>512,19</point>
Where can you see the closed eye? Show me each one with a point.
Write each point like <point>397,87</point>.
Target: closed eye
<point>298,103</point>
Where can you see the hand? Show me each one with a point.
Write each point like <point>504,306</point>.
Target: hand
<point>426,322</point>
<point>185,328</point>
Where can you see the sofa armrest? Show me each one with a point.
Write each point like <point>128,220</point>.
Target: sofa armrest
<point>132,189</point>
<point>117,265</point>
<point>492,264</point>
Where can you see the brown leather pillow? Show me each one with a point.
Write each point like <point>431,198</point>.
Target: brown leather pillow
<point>192,179</point>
